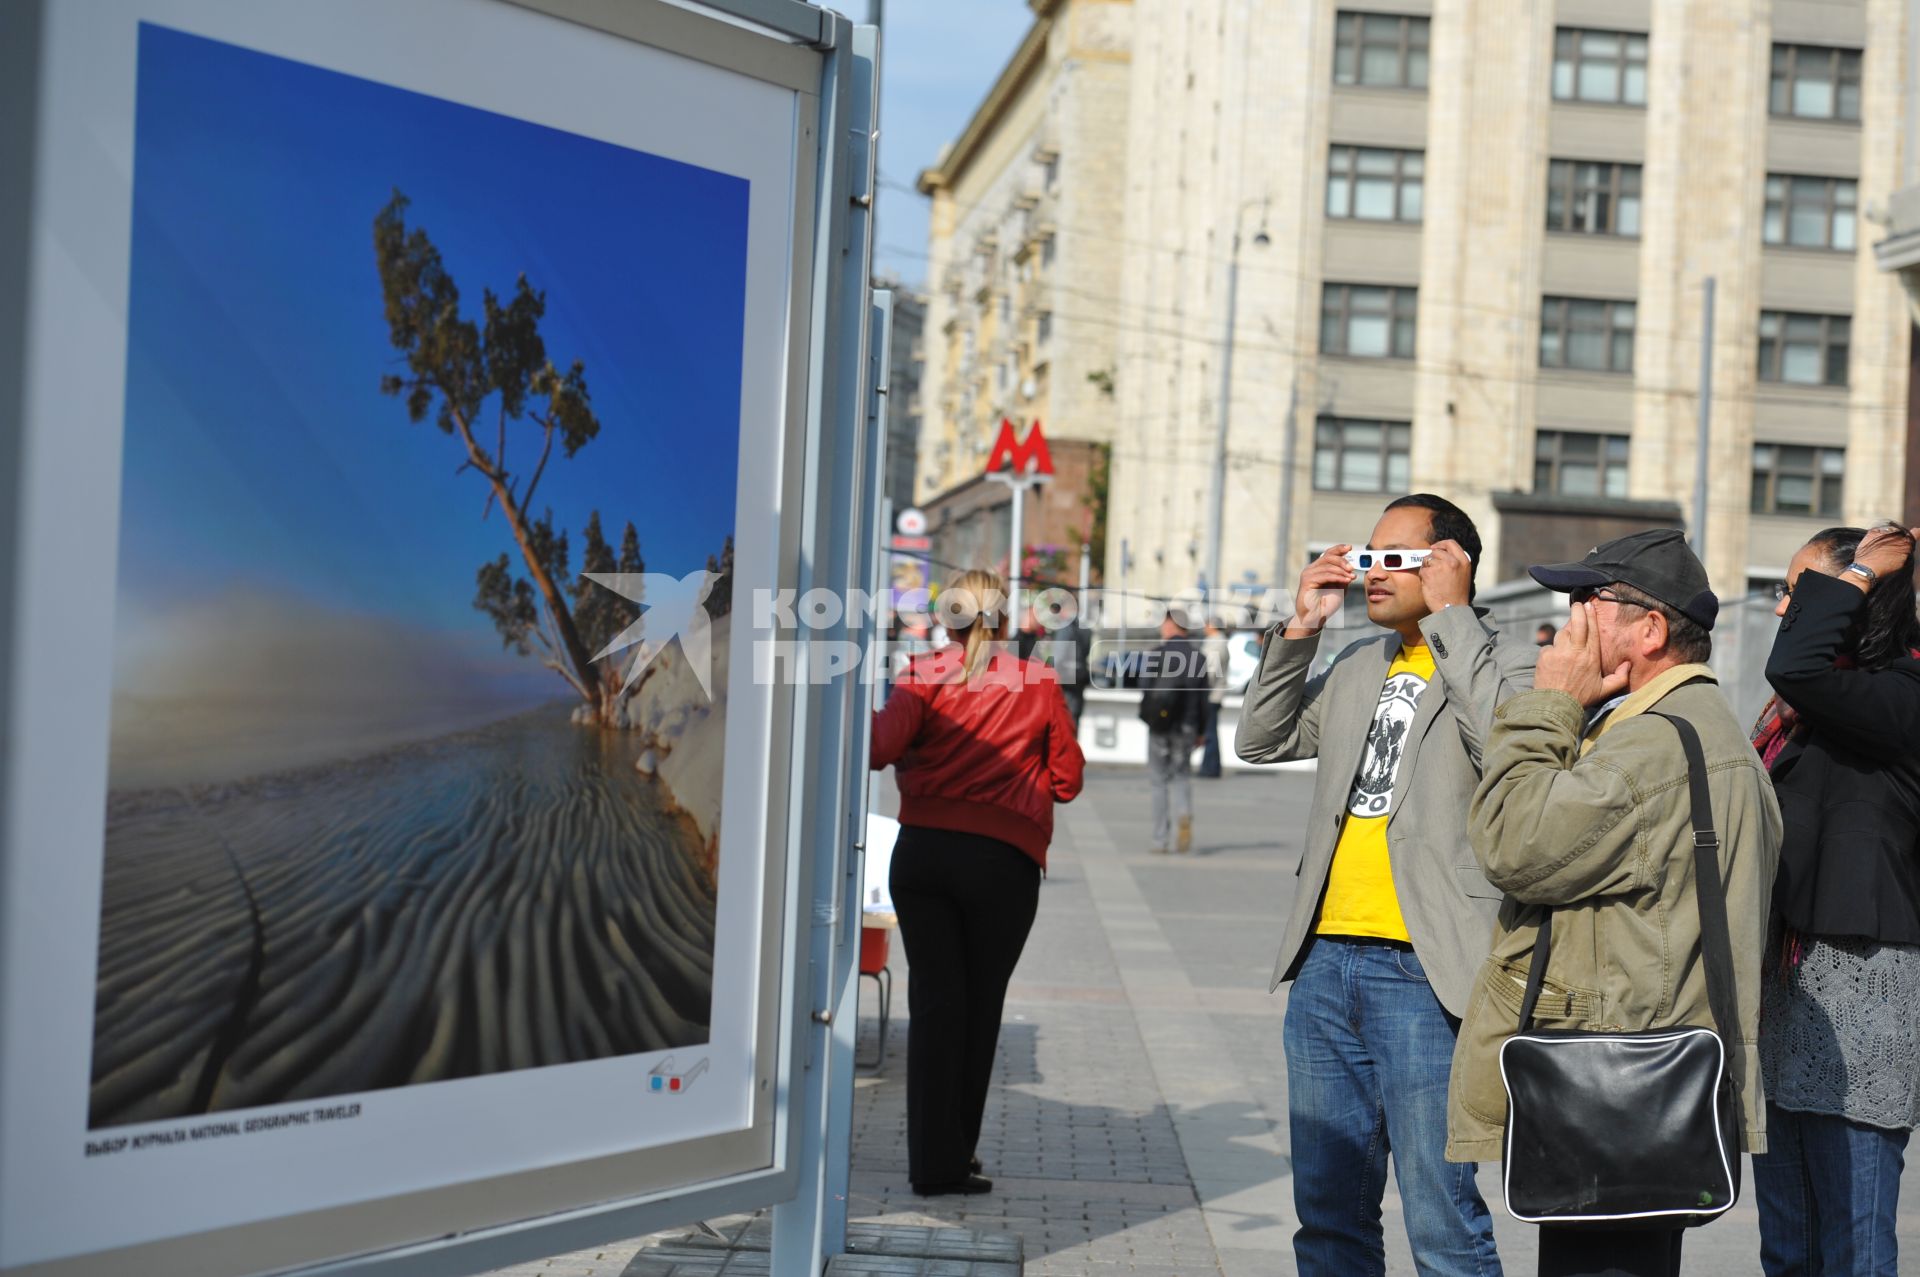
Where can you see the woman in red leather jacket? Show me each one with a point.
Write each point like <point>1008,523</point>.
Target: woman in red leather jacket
<point>983,749</point>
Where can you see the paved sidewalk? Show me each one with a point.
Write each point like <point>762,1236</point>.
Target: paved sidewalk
<point>1139,1121</point>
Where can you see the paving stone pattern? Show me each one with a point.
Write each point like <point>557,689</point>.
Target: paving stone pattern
<point>873,1250</point>
<point>1138,1123</point>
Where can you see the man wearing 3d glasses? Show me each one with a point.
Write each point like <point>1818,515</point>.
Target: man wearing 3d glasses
<point>1585,810</point>
<point>1391,915</point>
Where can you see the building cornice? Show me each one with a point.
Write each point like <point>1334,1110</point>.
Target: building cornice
<point>986,117</point>
<point>1653,512</point>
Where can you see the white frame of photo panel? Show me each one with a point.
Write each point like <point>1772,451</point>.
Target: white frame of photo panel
<point>504,1166</point>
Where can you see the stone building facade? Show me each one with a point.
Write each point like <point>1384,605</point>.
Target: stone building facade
<point>1024,261</point>
<point>904,403</point>
<point>1471,238</point>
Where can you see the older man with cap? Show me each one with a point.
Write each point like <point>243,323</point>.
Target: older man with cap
<point>1583,813</point>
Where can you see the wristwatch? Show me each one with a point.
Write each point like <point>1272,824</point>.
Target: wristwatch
<point>1862,571</point>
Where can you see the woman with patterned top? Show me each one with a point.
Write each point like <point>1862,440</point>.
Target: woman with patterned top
<point>1840,1017</point>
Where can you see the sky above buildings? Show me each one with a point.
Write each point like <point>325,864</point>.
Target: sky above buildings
<point>938,59</point>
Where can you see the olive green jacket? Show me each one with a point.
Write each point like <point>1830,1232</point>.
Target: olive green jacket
<point>1605,836</point>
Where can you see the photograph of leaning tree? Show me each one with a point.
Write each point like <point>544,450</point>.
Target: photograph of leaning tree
<point>384,807</point>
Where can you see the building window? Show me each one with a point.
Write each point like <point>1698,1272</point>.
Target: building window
<point>1374,184</point>
<point>1382,50</point>
<point>1789,479</point>
<point>1594,335</point>
<point>1810,212</point>
<point>1050,172</point>
<point>1815,83</point>
<point>1361,456</point>
<point>1593,199</point>
<point>1600,66</point>
<point>1808,350</point>
<point>1369,322</point>
<point>1571,464</point>
<point>1043,328</point>
<point>1046,252</point>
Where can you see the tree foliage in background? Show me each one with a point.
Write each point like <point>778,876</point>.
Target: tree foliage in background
<point>1094,502</point>
<point>600,613</point>
<point>720,597</point>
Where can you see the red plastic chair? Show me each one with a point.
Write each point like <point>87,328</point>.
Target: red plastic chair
<point>874,948</point>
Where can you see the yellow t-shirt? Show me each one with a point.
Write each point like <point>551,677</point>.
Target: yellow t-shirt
<point>1360,899</point>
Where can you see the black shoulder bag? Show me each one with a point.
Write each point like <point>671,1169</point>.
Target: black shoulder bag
<point>1630,1129</point>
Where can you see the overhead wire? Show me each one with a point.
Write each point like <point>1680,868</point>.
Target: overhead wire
<point>1253,264</point>
<point>1197,330</point>
<point>1684,340</point>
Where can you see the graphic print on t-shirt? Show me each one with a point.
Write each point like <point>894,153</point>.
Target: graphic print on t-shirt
<point>1372,791</point>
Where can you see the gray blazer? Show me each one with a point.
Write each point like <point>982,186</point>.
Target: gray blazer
<point>1446,900</point>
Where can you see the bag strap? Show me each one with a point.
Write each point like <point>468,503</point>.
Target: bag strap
<point>1710,893</point>
<point>1536,970</point>
<point>1716,938</point>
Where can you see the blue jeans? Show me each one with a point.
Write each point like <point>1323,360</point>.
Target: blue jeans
<point>1210,755</point>
<point>1369,1048</point>
<point>1827,1189</point>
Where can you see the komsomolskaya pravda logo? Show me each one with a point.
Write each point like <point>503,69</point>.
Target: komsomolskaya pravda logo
<point>676,607</point>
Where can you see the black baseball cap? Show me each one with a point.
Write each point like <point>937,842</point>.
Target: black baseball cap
<point>1656,562</point>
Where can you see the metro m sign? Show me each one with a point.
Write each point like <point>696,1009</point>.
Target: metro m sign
<point>1024,457</point>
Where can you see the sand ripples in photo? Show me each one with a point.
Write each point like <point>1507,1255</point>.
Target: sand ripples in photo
<point>505,898</point>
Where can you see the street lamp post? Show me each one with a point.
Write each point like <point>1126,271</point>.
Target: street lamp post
<point>1217,489</point>
<point>1282,559</point>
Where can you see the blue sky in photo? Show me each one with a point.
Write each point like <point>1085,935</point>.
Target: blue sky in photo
<point>260,454</point>
<point>937,61</point>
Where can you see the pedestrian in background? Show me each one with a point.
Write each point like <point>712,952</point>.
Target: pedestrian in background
<point>982,750</point>
<point>1068,649</point>
<point>1076,678</point>
<point>1543,634</point>
<point>1840,1020</point>
<point>1214,648</point>
<point>1173,705</point>
<point>1390,919</point>
<point>1588,816</point>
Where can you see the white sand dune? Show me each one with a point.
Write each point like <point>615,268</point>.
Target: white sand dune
<point>501,899</point>
<point>687,729</point>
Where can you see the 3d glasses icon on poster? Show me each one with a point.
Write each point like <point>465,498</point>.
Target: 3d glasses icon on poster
<point>663,1078</point>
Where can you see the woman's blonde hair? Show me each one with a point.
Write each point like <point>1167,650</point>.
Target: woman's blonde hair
<point>973,607</point>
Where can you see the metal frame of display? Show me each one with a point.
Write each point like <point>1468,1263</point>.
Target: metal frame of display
<point>828,539</point>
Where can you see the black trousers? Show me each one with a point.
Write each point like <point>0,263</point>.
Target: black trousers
<point>966,903</point>
<point>1587,1252</point>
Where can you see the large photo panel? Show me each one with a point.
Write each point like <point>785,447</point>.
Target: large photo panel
<point>376,814</point>
<point>405,827</point>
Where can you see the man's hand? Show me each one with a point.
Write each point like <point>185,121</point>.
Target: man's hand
<point>1572,664</point>
<point>1884,550</point>
<point>1323,588</point>
<point>1445,576</point>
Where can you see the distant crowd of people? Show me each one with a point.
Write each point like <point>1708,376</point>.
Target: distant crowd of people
<point>1479,790</point>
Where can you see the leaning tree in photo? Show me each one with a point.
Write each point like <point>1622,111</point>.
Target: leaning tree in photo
<point>454,368</point>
